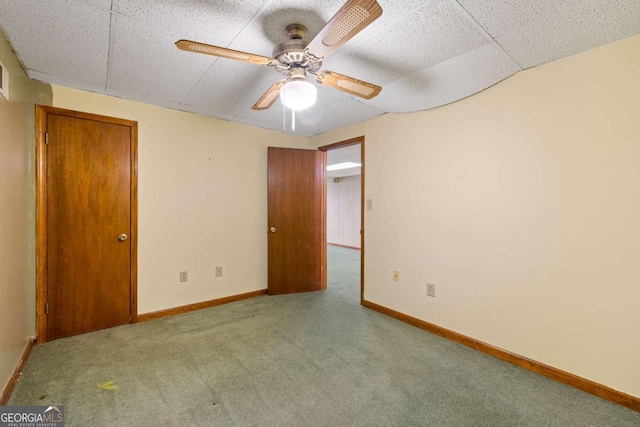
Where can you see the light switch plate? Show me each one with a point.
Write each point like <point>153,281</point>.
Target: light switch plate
<point>4,81</point>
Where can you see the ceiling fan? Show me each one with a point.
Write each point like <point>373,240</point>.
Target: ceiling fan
<point>296,58</point>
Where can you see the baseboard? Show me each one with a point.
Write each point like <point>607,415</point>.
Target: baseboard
<point>6,393</point>
<point>344,246</point>
<point>198,306</point>
<point>564,377</point>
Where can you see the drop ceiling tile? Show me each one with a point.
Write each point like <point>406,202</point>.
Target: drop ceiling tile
<point>147,63</point>
<point>436,31</point>
<point>231,86</point>
<point>578,26</point>
<point>62,80</point>
<point>5,5</point>
<point>499,17</point>
<point>102,4</point>
<point>212,22</point>
<point>394,14</point>
<point>68,39</point>
<point>446,82</point>
<point>336,116</point>
<point>610,20</point>
<point>322,120</point>
<point>209,112</point>
<point>327,96</point>
<point>267,119</point>
<point>268,28</point>
<point>142,97</point>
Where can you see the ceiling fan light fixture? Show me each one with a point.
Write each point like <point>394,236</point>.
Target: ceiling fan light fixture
<point>298,94</point>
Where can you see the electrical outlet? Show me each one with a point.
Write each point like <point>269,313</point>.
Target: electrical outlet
<point>184,276</point>
<point>218,271</point>
<point>431,290</point>
<point>396,276</point>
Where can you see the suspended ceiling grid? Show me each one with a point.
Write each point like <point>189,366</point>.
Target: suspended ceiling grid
<point>424,54</point>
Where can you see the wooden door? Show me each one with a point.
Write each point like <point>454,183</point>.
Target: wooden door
<point>89,177</point>
<point>296,203</point>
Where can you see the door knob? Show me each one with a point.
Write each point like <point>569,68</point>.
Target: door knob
<point>272,229</point>
<point>122,237</point>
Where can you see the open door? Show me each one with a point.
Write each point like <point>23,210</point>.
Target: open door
<point>296,203</point>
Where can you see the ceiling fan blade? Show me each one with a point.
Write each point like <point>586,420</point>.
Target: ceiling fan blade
<point>222,52</point>
<point>348,84</point>
<point>352,18</point>
<point>269,96</point>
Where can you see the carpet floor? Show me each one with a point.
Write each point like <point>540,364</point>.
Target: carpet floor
<point>314,359</point>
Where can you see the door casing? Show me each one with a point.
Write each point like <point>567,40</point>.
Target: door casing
<point>41,210</point>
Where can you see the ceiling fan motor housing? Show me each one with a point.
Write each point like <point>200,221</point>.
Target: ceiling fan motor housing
<point>290,52</point>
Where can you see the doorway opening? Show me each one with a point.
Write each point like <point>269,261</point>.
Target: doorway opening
<point>344,217</point>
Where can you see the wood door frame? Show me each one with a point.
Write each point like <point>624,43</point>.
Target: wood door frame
<point>341,144</point>
<point>42,113</point>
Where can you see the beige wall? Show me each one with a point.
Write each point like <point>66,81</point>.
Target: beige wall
<point>343,211</point>
<point>202,200</point>
<point>522,205</point>
<point>17,211</point>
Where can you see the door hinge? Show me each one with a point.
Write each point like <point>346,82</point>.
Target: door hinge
<point>46,137</point>
<point>46,308</point>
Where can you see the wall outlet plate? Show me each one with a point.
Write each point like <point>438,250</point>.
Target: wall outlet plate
<point>218,271</point>
<point>396,276</point>
<point>431,290</point>
<point>184,276</point>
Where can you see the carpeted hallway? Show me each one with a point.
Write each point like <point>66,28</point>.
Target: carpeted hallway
<point>317,359</point>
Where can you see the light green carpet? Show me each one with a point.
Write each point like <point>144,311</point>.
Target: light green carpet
<point>316,359</point>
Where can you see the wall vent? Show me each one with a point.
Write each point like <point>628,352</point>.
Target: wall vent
<point>4,81</point>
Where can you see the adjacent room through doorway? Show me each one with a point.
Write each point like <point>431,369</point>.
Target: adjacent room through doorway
<point>344,219</point>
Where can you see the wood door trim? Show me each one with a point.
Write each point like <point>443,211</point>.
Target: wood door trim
<point>41,224</point>
<point>340,144</point>
<point>42,112</point>
<point>572,380</point>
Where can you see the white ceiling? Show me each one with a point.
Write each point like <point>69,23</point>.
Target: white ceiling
<point>423,53</point>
